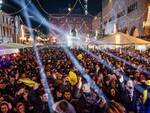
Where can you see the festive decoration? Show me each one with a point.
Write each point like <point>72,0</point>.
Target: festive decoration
<point>86,7</point>
<point>14,13</point>
<point>70,10</point>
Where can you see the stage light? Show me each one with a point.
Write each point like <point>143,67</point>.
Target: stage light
<point>69,40</point>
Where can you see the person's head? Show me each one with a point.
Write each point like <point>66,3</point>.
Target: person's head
<point>45,97</point>
<point>112,92</point>
<point>114,107</point>
<point>96,66</point>
<point>63,105</point>
<point>107,80</point>
<point>130,85</point>
<point>67,95</point>
<point>20,107</point>
<point>86,88</point>
<point>4,107</point>
<point>12,80</point>
<point>25,94</point>
<point>59,93</point>
<point>113,83</point>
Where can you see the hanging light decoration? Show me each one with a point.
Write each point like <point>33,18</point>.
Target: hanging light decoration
<point>1,2</point>
<point>69,7</point>
<point>86,6</point>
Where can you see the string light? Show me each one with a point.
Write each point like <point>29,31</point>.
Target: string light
<point>39,25</point>
<point>1,2</point>
<point>23,8</point>
<point>70,10</point>
<point>86,6</point>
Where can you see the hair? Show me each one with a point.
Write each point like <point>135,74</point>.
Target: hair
<point>114,107</point>
<point>5,103</point>
<point>63,105</point>
<point>19,104</point>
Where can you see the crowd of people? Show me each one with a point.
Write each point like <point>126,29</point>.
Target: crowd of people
<point>21,89</point>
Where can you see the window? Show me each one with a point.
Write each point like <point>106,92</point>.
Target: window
<point>112,18</point>
<point>120,14</point>
<point>105,22</point>
<point>132,7</point>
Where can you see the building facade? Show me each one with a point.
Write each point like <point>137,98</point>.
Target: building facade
<point>9,28</point>
<point>126,16</point>
<point>81,23</point>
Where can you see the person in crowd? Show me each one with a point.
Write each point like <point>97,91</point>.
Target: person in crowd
<point>5,107</point>
<point>129,97</point>
<point>20,108</point>
<point>63,106</point>
<point>114,107</point>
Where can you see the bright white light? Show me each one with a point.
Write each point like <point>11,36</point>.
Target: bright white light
<point>1,1</point>
<point>8,51</point>
<point>87,39</point>
<point>86,12</point>
<point>69,40</point>
<point>141,47</point>
<point>115,28</point>
<point>69,9</point>
<point>96,34</point>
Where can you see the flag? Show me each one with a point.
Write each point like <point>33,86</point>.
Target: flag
<point>72,78</point>
<point>80,57</point>
<point>28,82</point>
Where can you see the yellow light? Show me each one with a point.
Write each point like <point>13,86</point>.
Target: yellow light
<point>117,40</point>
<point>22,31</point>
<point>147,22</point>
<point>30,39</point>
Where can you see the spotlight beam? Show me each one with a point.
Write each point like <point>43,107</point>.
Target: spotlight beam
<point>42,73</point>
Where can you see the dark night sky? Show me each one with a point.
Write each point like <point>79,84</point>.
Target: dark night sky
<point>53,7</point>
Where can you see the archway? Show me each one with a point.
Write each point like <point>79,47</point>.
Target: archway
<point>126,31</point>
<point>134,32</point>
